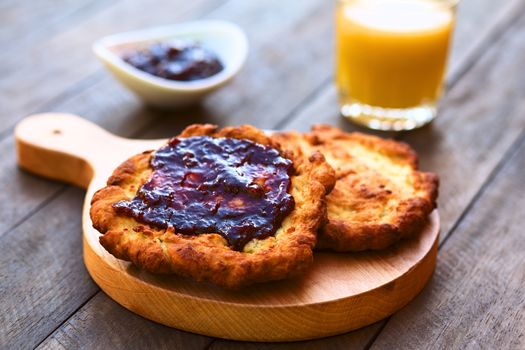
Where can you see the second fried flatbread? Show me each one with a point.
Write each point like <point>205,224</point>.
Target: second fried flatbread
<point>379,197</point>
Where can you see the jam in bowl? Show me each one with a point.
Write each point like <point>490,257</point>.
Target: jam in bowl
<point>122,54</point>
<point>182,60</point>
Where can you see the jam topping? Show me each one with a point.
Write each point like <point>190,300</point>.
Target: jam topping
<point>237,188</point>
<point>178,60</point>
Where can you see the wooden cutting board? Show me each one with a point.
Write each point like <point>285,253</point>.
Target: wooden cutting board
<point>341,292</point>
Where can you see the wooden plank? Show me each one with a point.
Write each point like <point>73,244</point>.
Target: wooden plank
<point>480,22</point>
<point>476,299</point>
<point>31,21</point>
<point>22,193</point>
<point>42,280</point>
<point>103,324</point>
<point>354,340</point>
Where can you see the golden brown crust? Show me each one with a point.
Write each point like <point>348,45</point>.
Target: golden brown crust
<point>379,197</point>
<point>207,257</point>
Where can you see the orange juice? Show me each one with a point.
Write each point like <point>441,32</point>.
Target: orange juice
<point>392,53</point>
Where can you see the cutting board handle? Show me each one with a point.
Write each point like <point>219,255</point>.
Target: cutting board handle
<point>68,148</point>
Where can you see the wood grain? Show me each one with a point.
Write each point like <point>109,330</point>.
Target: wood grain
<point>346,291</point>
<point>476,299</point>
<point>25,193</point>
<point>104,324</point>
<point>30,21</point>
<point>358,339</point>
<point>41,284</point>
<point>479,24</point>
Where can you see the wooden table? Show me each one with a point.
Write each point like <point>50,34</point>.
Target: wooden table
<point>476,298</point>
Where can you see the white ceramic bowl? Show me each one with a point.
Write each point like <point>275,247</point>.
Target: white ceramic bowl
<point>225,39</point>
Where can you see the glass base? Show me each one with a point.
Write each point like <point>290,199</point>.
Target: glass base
<point>395,119</point>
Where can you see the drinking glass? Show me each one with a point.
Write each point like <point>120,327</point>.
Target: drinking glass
<point>391,59</point>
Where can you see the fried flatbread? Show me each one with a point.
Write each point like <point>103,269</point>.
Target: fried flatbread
<point>379,197</point>
<point>208,256</point>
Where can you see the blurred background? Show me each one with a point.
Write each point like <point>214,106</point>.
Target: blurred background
<point>47,62</point>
